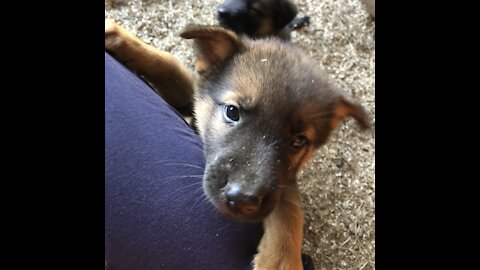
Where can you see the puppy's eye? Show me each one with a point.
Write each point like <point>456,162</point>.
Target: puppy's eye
<point>298,142</point>
<point>231,113</point>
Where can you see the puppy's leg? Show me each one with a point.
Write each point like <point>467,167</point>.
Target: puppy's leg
<point>161,69</point>
<point>281,244</point>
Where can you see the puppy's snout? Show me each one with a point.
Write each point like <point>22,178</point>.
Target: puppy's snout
<point>239,201</point>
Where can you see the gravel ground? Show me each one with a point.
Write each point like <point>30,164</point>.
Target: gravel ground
<point>338,184</point>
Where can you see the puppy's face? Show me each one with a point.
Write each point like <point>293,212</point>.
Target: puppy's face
<point>261,110</point>
<point>256,18</point>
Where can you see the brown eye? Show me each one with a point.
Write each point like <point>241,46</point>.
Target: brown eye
<point>298,142</point>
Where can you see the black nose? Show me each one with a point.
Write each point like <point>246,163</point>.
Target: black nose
<point>240,202</point>
<point>223,13</point>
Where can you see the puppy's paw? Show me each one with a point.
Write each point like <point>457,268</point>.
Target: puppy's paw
<point>113,37</point>
<point>110,26</point>
<point>263,261</point>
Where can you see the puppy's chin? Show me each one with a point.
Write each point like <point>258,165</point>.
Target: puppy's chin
<point>267,207</point>
<point>242,218</point>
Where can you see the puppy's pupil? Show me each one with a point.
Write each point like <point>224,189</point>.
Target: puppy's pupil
<point>299,141</point>
<point>232,113</point>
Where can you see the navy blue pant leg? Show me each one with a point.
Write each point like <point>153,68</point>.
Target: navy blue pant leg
<point>156,216</point>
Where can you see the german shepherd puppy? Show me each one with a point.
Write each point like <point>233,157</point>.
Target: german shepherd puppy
<point>260,18</point>
<point>261,108</point>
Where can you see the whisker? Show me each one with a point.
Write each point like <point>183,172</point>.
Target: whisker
<point>198,192</point>
<point>202,199</point>
<point>188,186</point>
<point>198,197</point>
<point>184,164</point>
<point>223,228</point>
<point>172,161</point>
<point>208,202</point>
<point>183,176</point>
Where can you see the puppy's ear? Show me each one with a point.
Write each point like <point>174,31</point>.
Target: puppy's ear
<point>284,12</point>
<point>213,44</point>
<point>345,107</point>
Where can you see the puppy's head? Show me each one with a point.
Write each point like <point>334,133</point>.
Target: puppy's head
<point>261,109</point>
<point>256,18</point>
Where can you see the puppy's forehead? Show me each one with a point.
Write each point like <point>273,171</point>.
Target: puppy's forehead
<point>273,73</point>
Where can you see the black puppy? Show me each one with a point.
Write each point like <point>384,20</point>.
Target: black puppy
<point>260,18</point>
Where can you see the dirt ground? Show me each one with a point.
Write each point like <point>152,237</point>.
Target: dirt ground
<point>338,184</point>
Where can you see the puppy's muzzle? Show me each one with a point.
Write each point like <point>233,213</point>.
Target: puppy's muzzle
<point>242,201</point>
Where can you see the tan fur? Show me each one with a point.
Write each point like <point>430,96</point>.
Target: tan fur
<point>166,74</point>
<point>281,244</point>
<point>213,47</point>
<point>346,108</point>
<point>233,97</point>
<point>340,113</point>
<point>301,158</point>
<point>245,92</point>
<point>203,110</point>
